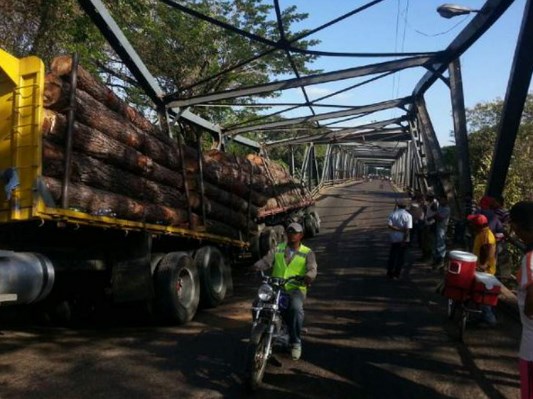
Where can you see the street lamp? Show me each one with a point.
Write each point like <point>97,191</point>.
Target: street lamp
<point>453,10</point>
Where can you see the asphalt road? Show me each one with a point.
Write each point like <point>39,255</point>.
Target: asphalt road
<point>368,337</point>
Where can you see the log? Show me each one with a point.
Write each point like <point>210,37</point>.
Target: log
<point>138,151</point>
<point>62,67</point>
<point>99,202</point>
<point>98,145</point>
<point>95,173</point>
<point>223,197</point>
<point>96,115</point>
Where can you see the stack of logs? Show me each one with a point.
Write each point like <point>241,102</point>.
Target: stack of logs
<point>123,166</point>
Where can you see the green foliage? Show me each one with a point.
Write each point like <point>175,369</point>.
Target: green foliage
<point>483,122</point>
<point>177,49</point>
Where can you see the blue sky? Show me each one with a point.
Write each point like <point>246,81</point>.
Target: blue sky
<point>408,26</point>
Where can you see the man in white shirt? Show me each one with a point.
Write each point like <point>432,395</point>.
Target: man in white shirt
<point>400,222</point>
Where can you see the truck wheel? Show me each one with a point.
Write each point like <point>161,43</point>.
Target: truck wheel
<point>154,261</point>
<point>280,233</point>
<point>268,241</point>
<point>316,219</point>
<point>177,287</point>
<point>213,276</point>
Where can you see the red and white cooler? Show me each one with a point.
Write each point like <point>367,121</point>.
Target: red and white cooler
<point>459,277</point>
<point>486,289</point>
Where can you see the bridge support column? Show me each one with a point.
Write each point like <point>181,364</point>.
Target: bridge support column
<point>437,169</point>
<point>513,105</point>
<point>461,139</point>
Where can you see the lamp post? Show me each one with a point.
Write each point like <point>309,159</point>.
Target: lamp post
<point>453,10</point>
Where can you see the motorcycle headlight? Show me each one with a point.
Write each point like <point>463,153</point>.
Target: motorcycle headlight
<point>265,292</point>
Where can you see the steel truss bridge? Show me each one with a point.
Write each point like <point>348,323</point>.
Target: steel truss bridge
<point>406,144</point>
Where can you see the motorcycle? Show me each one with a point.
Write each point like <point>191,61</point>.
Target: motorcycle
<point>268,327</point>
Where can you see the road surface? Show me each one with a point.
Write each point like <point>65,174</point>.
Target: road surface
<point>368,337</point>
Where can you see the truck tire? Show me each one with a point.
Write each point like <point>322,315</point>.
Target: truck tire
<point>280,233</point>
<point>267,241</point>
<point>316,218</point>
<point>213,276</point>
<point>177,287</point>
<point>154,261</point>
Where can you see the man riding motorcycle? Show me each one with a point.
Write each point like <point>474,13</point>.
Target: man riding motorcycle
<point>292,259</point>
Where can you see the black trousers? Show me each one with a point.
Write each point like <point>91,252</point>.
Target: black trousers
<point>396,259</point>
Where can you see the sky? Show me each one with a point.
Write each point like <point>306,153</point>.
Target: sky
<point>407,26</point>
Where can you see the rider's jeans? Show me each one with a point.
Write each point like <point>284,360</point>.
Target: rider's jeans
<point>294,316</point>
<point>487,314</point>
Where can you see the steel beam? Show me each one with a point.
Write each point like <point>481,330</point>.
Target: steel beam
<point>103,20</point>
<point>434,153</point>
<point>245,142</point>
<point>356,138</point>
<point>513,106</point>
<point>487,15</point>
<point>99,14</point>
<point>349,73</point>
<point>336,135</point>
<point>364,109</point>
<point>461,138</point>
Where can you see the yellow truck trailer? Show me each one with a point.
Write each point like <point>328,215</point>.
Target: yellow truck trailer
<point>44,246</point>
<point>56,254</point>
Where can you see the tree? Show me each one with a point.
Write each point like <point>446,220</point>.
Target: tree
<point>179,50</point>
<point>483,122</point>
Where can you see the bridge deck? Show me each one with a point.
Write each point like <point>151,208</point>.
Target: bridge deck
<point>368,337</point>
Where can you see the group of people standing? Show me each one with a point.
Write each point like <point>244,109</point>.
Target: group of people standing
<point>426,222</point>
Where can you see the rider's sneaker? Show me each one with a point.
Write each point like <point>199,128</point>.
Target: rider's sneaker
<point>296,351</point>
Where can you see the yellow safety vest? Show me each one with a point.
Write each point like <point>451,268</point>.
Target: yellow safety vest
<point>296,266</point>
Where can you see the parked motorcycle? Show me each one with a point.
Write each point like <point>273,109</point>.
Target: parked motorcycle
<point>268,328</point>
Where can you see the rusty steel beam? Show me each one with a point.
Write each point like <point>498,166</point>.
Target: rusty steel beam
<point>513,106</point>
<point>349,73</point>
<point>461,139</point>
<point>363,109</point>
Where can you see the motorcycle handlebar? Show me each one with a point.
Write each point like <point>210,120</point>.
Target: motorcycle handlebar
<point>281,281</point>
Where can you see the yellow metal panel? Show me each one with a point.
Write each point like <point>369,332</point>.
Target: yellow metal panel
<point>21,116</point>
<point>84,219</point>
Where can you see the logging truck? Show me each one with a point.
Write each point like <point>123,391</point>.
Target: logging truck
<point>97,204</point>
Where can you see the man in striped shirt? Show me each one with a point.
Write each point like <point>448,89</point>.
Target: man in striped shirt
<point>522,223</point>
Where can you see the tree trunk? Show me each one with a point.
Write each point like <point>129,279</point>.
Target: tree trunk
<point>99,202</point>
<point>98,145</point>
<point>93,114</point>
<point>95,173</point>
<point>62,66</point>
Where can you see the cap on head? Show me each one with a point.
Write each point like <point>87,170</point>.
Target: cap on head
<point>478,220</point>
<point>295,228</point>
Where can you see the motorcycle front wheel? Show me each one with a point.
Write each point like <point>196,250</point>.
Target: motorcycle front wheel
<point>257,358</point>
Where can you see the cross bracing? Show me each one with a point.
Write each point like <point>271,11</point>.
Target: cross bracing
<point>326,123</point>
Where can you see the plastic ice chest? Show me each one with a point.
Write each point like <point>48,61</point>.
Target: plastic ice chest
<point>461,269</point>
<point>486,289</point>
